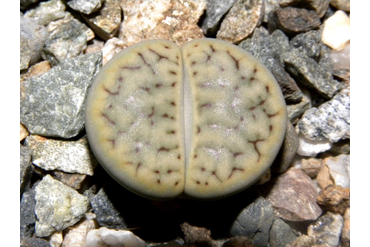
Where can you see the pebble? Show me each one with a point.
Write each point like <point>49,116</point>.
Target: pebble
<point>345,236</point>
<point>198,236</point>
<point>308,43</point>
<point>57,206</point>
<point>27,214</point>
<point>111,48</point>
<point>34,242</point>
<point>295,111</point>
<point>293,196</point>
<point>293,20</point>
<point>73,180</point>
<point>341,4</point>
<point>161,19</point>
<point>107,20</point>
<point>281,234</point>
<point>302,241</point>
<point>330,121</point>
<point>35,70</point>
<point>311,166</point>
<point>323,178</point>
<point>339,168</point>
<point>76,236</point>
<point>26,168</point>
<point>53,104</point>
<point>32,38</point>
<point>241,20</point>
<point>56,239</point>
<point>103,237</point>
<point>254,222</point>
<point>341,59</point>
<point>47,12</point>
<point>336,33</point>
<point>94,46</point>
<point>216,9</point>
<point>310,148</point>
<point>67,39</point>
<point>85,6</point>
<point>334,199</point>
<point>327,229</point>
<point>320,6</point>
<point>23,132</point>
<point>67,156</point>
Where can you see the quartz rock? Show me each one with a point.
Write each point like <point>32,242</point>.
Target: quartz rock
<point>23,132</point>
<point>67,156</point>
<point>106,237</point>
<point>339,168</point>
<point>311,148</point>
<point>241,20</point>
<point>330,121</point>
<point>85,6</point>
<point>308,43</point>
<point>334,199</point>
<point>57,206</point>
<point>336,33</point>
<point>281,234</point>
<point>161,19</point>
<point>215,11</point>
<point>25,167</point>
<point>76,236</point>
<point>345,237</point>
<point>307,72</point>
<point>323,177</point>
<point>111,48</point>
<point>34,242</point>
<point>56,239</point>
<point>32,39</point>
<point>67,39</point>
<point>106,21</point>
<point>47,12</point>
<point>293,20</point>
<point>327,229</point>
<point>302,241</point>
<point>319,6</point>
<point>53,104</point>
<point>293,196</point>
<point>311,166</point>
<point>198,236</point>
<point>35,70</point>
<point>254,222</point>
<point>27,214</point>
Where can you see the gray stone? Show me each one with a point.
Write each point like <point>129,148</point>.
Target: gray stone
<point>215,11</point>
<point>307,72</point>
<point>67,39</point>
<point>254,222</point>
<point>34,242</point>
<point>57,206</point>
<point>331,121</point>
<point>85,6</point>
<point>268,49</point>
<point>106,213</point>
<point>327,229</point>
<point>281,234</point>
<point>243,17</point>
<point>27,214</point>
<point>25,3</point>
<point>293,20</point>
<point>308,43</point>
<point>293,196</point>
<point>32,39</point>
<point>320,6</point>
<point>67,156</point>
<point>25,167</point>
<point>295,111</point>
<point>287,151</point>
<point>47,11</point>
<point>53,104</point>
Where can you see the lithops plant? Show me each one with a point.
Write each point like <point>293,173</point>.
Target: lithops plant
<point>202,121</point>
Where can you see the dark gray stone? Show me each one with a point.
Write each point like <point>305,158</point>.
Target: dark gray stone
<point>308,43</point>
<point>85,6</point>
<point>27,214</point>
<point>216,9</point>
<point>293,20</point>
<point>53,104</point>
<point>307,72</point>
<point>34,242</point>
<point>295,111</point>
<point>254,222</point>
<point>268,49</point>
<point>281,234</point>
<point>25,167</point>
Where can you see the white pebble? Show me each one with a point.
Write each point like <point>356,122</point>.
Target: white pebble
<point>336,33</point>
<point>104,237</point>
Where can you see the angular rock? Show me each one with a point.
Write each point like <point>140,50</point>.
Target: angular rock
<point>111,48</point>
<point>293,196</point>
<point>53,104</point>
<point>32,38</point>
<point>336,33</point>
<point>310,148</point>
<point>23,132</point>
<point>323,178</point>
<point>327,229</point>
<point>238,241</point>
<point>339,168</point>
<point>161,19</point>
<point>35,70</point>
<point>198,236</point>
<point>330,121</point>
<point>215,11</point>
<point>103,237</point>
<point>47,12</point>
<point>254,222</point>
<point>26,168</point>
<point>341,5</point>
<point>335,199</point>
<point>307,72</point>
<point>243,17</point>
<point>308,43</point>
<point>67,156</point>
<point>76,236</point>
<point>106,21</point>
<point>319,6</point>
<point>27,214</point>
<point>57,206</point>
<point>85,6</point>
<point>311,166</point>
<point>295,111</point>
<point>345,236</point>
<point>302,241</point>
<point>293,20</point>
<point>67,39</point>
<point>34,242</point>
<point>281,234</point>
